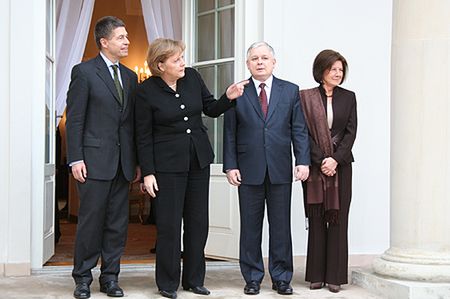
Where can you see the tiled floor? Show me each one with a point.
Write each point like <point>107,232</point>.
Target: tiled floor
<point>223,279</point>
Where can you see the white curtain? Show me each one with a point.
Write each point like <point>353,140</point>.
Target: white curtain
<point>73,18</point>
<point>162,18</point>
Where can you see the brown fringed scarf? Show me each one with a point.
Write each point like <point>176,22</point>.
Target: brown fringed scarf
<point>321,189</point>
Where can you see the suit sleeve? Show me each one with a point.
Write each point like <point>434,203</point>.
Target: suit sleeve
<point>144,133</point>
<point>344,148</point>
<point>229,140</point>
<point>211,106</point>
<point>77,102</point>
<point>300,136</point>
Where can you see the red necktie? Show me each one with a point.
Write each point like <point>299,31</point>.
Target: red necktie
<point>263,99</point>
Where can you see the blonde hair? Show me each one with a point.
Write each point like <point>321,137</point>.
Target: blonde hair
<point>161,49</point>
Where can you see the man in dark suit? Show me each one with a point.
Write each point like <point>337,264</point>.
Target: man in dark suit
<point>259,135</point>
<point>102,155</point>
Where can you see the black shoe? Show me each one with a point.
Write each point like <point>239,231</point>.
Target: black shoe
<point>198,290</point>
<point>168,294</point>
<point>334,288</point>
<point>316,285</point>
<point>252,288</point>
<point>282,287</point>
<point>82,291</point>
<point>112,289</point>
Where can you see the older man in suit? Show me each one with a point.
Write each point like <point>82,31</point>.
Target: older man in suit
<point>259,134</point>
<point>102,156</point>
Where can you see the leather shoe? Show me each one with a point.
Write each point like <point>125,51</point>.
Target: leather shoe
<point>334,288</point>
<point>282,287</point>
<point>198,290</point>
<point>316,285</point>
<point>252,288</point>
<point>168,294</point>
<point>82,291</point>
<point>111,289</point>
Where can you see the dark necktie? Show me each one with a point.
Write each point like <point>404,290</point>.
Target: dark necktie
<point>263,99</point>
<point>117,83</point>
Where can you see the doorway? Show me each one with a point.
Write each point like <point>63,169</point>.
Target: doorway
<point>141,240</point>
<point>141,230</point>
<point>224,216</point>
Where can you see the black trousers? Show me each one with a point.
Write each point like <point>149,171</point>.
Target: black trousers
<point>252,201</point>
<point>102,228</point>
<point>327,257</point>
<point>181,196</point>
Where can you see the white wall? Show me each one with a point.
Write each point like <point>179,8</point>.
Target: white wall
<point>361,31</point>
<point>4,135</point>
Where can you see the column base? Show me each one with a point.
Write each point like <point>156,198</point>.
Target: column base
<point>407,264</point>
<point>390,288</point>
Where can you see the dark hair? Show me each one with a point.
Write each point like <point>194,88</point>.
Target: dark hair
<point>104,27</point>
<point>324,61</point>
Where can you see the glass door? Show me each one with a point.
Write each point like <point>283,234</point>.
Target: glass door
<point>50,135</point>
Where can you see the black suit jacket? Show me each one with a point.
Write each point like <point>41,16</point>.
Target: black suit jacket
<point>100,130</point>
<point>167,122</point>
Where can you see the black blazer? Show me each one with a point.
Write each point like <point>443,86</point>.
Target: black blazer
<point>100,131</point>
<point>344,126</point>
<point>168,121</point>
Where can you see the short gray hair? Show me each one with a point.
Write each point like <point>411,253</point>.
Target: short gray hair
<point>260,44</point>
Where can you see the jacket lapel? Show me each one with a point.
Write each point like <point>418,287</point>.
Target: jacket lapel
<point>252,97</point>
<point>275,96</point>
<point>105,75</point>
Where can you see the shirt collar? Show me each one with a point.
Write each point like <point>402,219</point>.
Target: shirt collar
<point>268,82</point>
<point>108,62</point>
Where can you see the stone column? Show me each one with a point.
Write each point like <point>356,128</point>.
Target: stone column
<point>417,265</point>
<point>420,144</point>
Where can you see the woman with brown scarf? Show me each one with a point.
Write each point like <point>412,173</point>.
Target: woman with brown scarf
<point>330,113</point>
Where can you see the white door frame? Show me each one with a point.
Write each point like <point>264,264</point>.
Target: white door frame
<point>43,130</point>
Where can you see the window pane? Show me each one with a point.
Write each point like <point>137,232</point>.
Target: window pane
<point>218,146</point>
<point>48,108</point>
<point>215,135</point>
<point>225,75</point>
<point>226,33</point>
<point>206,37</point>
<point>225,2</point>
<point>207,73</point>
<point>205,5</point>
<point>209,123</point>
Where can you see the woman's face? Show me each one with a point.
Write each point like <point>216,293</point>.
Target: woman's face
<point>173,67</point>
<point>333,76</point>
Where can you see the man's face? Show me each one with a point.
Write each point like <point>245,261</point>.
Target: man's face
<point>260,63</point>
<point>116,45</point>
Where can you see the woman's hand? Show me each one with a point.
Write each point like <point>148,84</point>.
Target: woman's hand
<point>235,90</point>
<point>137,175</point>
<point>328,166</point>
<point>150,185</point>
